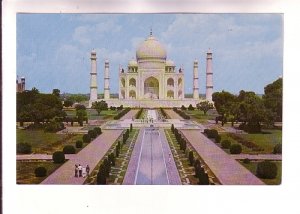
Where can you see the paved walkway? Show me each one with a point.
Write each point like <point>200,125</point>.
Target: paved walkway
<point>226,168</point>
<point>173,114</point>
<point>41,157</point>
<point>130,114</point>
<point>90,155</point>
<point>274,157</point>
<point>150,163</point>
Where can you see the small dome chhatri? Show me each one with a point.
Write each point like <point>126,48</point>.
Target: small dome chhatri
<point>132,63</point>
<point>151,48</point>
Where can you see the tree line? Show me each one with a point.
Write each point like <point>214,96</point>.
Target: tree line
<point>249,108</point>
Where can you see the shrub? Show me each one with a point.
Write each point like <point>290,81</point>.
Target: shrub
<point>203,178</point>
<point>130,127</point>
<point>23,148</point>
<point>225,144</point>
<point>58,157</point>
<point>211,133</point>
<point>69,149</point>
<point>235,149</point>
<point>92,134</point>
<point>172,128</point>
<point>277,149</point>
<point>266,169</point>
<point>191,108</point>
<point>86,138</point>
<point>113,108</point>
<point>54,126</point>
<point>183,107</point>
<point>112,159</point>
<point>122,113</point>
<point>101,177</point>
<point>191,158</point>
<point>98,130</point>
<point>79,144</point>
<point>246,161</point>
<point>118,150</point>
<point>218,139</point>
<point>138,114</point>
<point>40,171</point>
<point>107,167</point>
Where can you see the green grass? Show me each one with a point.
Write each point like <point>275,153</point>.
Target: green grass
<point>93,114</point>
<point>276,181</point>
<point>46,143</point>
<point>224,136</point>
<point>267,140</point>
<point>25,171</point>
<point>199,116</point>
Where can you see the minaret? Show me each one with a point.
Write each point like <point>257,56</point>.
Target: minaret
<point>93,85</point>
<point>106,80</point>
<point>22,84</point>
<point>195,78</point>
<point>209,76</point>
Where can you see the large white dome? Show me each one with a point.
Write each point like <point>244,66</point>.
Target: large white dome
<point>151,49</point>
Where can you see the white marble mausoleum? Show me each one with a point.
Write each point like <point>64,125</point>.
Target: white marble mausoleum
<point>151,80</point>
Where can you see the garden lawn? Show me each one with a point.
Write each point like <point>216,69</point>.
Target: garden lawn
<point>45,142</point>
<point>25,171</point>
<point>199,116</point>
<point>276,181</point>
<point>93,114</point>
<point>267,140</point>
<point>224,136</point>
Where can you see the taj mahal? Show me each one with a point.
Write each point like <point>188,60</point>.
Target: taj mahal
<point>151,80</point>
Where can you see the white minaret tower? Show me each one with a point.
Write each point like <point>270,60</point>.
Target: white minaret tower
<point>106,80</point>
<point>93,86</point>
<point>195,81</point>
<point>209,76</point>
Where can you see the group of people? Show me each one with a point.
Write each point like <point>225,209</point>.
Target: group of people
<point>81,171</point>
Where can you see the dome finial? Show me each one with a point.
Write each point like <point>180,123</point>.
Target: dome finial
<point>151,31</point>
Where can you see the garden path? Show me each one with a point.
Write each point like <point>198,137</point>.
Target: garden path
<point>225,167</point>
<point>90,155</point>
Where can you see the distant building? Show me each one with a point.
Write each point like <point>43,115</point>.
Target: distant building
<point>20,85</point>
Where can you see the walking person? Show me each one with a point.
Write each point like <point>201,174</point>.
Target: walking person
<point>87,170</point>
<point>80,170</point>
<point>76,170</point>
<point>83,172</point>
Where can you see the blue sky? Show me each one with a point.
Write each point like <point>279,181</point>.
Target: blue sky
<point>53,50</point>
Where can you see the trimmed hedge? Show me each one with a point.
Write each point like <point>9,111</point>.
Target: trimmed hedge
<point>235,149</point>
<point>40,171</point>
<point>58,157</point>
<point>92,134</point>
<point>86,138</point>
<point>122,113</point>
<point>277,149</point>
<point>69,149</point>
<point>248,144</point>
<point>266,169</point>
<point>98,130</point>
<point>23,148</point>
<point>182,114</point>
<point>246,161</point>
<point>79,144</point>
<point>138,114</point>
<point>225,144</point>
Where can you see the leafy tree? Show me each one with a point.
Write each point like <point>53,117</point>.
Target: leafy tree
<point>92,134</point>
<point>68,103</point>
<point>99,106</point>
<point>204,106</point>
<point>56,92</point>
<point>35,107</point>
<point>86,138</point>
<point>77,98</point>
<point>101,176</point>
<point>191,108</point>
<point>273,98</point>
